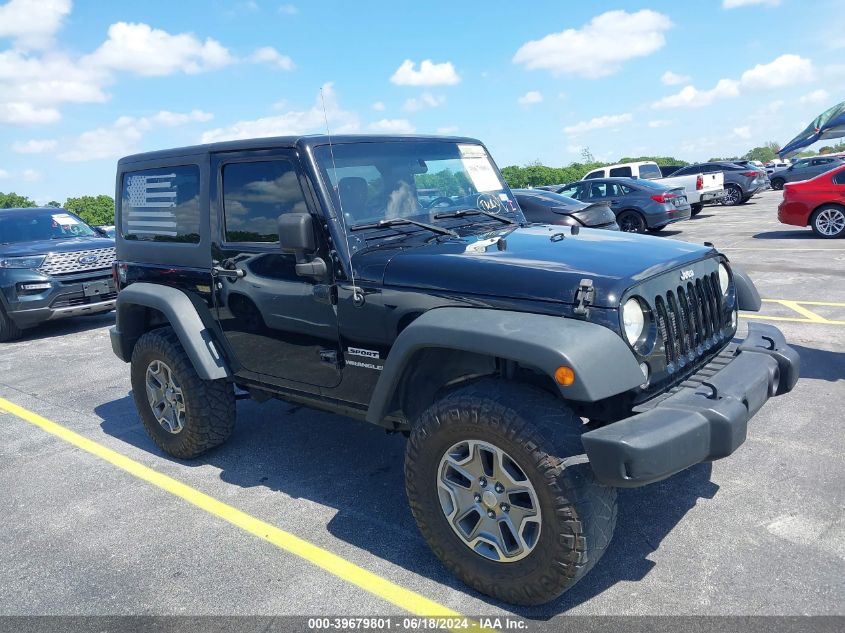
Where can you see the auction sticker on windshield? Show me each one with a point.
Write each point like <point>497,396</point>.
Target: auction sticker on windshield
<point>479,168</point>
<point>63,219</point>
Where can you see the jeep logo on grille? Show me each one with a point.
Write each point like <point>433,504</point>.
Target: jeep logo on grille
<point>88,259</point>
<point>687,274</point>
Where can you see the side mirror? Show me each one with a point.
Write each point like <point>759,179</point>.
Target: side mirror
<point>296,236</point>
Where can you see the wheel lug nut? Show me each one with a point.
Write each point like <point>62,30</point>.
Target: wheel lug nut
<point>477,498</point>
<point>505,507</point>
<point>482,482</point>
<point>500,488</point>
<point>491,514</point>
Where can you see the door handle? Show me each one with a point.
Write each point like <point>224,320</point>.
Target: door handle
<point>236,273</point>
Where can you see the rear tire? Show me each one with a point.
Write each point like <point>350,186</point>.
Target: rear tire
<point>828,222</point>
<point>8,330</point>
<point>575,515</point>
<point>695,209</point>
<point>197,415</point>
<point>777,183</point>
<point>745,199</point>
<point>631,222</point>
<point>732,197</point>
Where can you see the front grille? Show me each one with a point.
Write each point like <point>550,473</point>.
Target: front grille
<point>64,263</point>
<point>82,301</point>
<point>690,320</point>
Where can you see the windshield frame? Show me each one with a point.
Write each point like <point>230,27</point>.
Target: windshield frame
<point>323,162</point>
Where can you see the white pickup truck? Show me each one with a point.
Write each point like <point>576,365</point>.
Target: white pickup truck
<point>700,188</point>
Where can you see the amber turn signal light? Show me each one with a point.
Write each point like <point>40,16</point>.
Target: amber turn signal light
<point>564,376</point>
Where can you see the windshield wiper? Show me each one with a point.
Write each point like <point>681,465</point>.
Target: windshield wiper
<point>465,212</point>
<point>383,224</point>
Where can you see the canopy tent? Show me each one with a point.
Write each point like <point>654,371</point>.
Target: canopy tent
<point>829,124</point>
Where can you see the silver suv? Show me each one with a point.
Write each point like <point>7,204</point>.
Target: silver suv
<point>804,169</point>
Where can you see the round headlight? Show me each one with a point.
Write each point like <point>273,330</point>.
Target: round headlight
<point>633,320</point>
<point>724,279</point>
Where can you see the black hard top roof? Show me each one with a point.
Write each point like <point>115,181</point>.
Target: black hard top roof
<point>285,142</point>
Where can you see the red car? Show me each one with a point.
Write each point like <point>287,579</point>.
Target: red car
<point>818,203</point>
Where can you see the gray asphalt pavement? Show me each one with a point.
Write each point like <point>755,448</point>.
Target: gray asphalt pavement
<point>761,532</point>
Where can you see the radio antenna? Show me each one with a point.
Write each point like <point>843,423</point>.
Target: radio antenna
<point>357,297</point>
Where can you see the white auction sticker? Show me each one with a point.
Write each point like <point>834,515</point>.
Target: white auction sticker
<point>63,219</point>
<point>479,168</point>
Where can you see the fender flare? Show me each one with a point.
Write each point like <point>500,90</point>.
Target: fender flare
<point>603,363</point>
<point>747,297</point>
<point>196,338</point>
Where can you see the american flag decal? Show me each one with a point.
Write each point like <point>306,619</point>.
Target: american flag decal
<point>147,193</point>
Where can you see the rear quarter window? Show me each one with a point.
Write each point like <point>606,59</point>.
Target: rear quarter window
<point>651,172</point>
<point>599,173</point>
<point>161,205</point>
<point>621,172</point>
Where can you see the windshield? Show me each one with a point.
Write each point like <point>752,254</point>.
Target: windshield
<point>32,225</point>
<point>412,179</point>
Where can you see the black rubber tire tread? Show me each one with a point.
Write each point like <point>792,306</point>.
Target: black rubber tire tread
<point>643,227</point>
<point>777,183</point>
<point>8,330</point>
<point>536,429</point>
<point>695,209</point>
<point>209,404</point>
<point>818,233</point>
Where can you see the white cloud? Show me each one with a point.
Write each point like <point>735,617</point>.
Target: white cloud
<point>447,129</point>
<point>269,55</point>
<point>378,106</point>
<point>393,126</point>
<point>16,112</point>
<point>30,175</point>
<point>673,79</point>
<point>743,132</point>
<point>786,70</point>
<point>141,49</point>
<point>32,23</point>
<point>818,97</point>
<point>288,9</point>
<point>600,47</point>
<point>429,74</point>
<point>4,174</point>
<point>425,100</point>
<point>733,4</point>
<point>122,136</point>
<point>692,97</point>
<point>529,98</point>
<point>34,146</point>
<point>598,123</point>
<point>659,123</point>
<point>292,122</point>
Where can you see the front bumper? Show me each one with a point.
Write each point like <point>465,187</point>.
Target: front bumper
<point>703,419</point>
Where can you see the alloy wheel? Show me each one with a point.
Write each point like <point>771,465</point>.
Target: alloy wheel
<point>165,397</point>
<point>631,222</point>
<point>488,501</point>
<point>830,222</point>
<point>732,196</point>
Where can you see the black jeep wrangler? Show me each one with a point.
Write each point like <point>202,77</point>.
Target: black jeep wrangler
<point>52,266</point>
<point>395,280</point>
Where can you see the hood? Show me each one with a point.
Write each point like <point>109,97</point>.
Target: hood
<point>534,263</point>
<point>55,246</point>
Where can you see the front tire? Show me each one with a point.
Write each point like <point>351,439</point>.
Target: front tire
<point>828,222</point>
<point>777,183</point>
<point>184,415</point>
<point>8,330</point>
<point>529,442</point>
<point>732,197</point>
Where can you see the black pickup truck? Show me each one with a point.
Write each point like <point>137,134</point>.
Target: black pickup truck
<point>52,265</point>
<point>396,280</point>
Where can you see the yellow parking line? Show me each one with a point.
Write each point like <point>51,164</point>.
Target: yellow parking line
<point>792,305</point>
<point>764,317</point>
<point>831,304</point>
<point>406,599</point>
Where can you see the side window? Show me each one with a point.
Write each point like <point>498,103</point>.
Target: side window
<point>621,172</point>
<point>161,205</point>
<point>839,179</point>
<point>598,190</point>
<point>595,174</point>
<point>255,194</point>
<point>625,190</point>
<point>571,191</point>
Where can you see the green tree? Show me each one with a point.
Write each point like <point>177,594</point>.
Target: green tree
<point>763,153</point>
<point>12,200</point>
<point>95,210</point>
<point>54,204</point>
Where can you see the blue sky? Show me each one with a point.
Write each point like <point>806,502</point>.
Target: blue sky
<point>83,83</point>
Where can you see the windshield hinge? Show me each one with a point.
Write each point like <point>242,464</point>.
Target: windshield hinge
<point>584,297</point>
